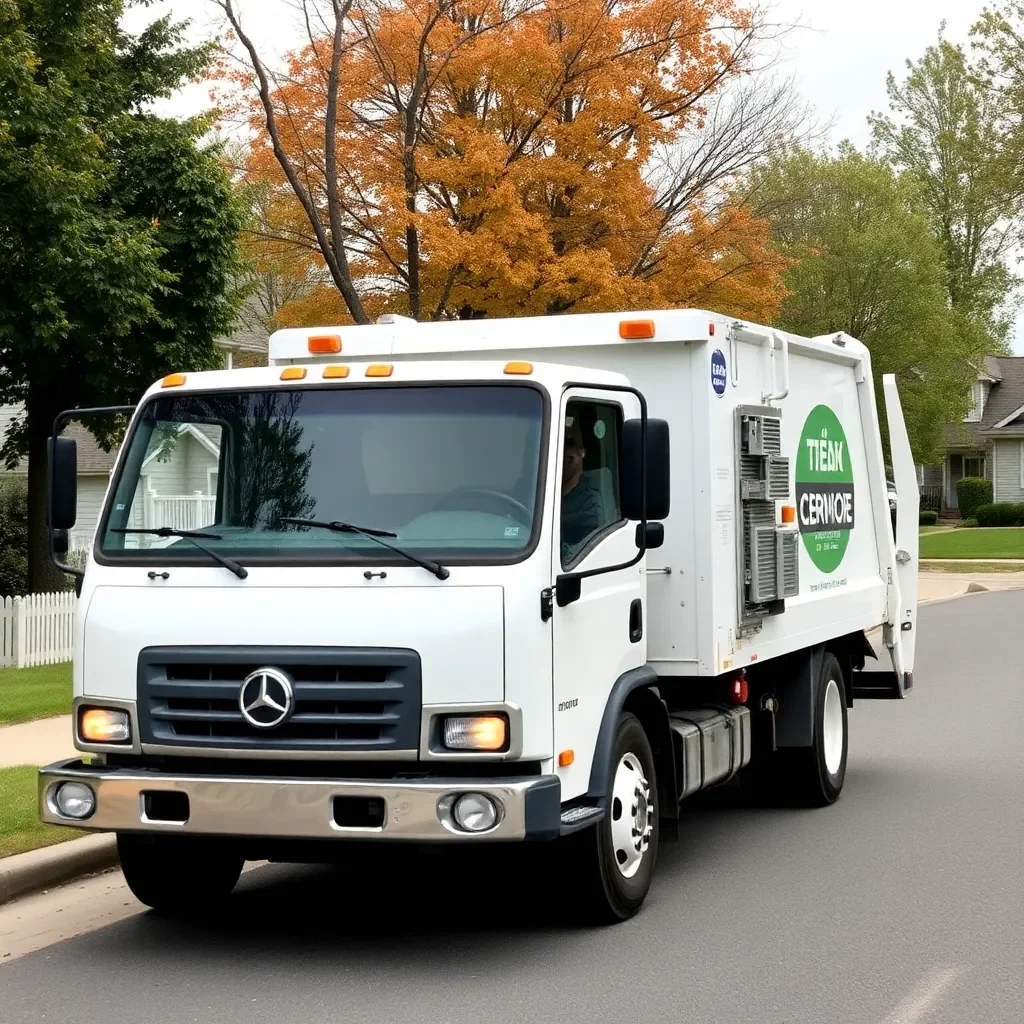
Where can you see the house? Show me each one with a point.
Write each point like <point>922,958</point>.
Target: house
<point>180,480</point>
<point>989,442</point>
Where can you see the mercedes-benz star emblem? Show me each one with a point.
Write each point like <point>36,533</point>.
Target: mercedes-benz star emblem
<point>266,698</point>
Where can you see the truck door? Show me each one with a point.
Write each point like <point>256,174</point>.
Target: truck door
<point>908,501</point>
<point>601,635</point>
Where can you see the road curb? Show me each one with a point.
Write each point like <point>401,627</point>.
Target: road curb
<point>25,873</point>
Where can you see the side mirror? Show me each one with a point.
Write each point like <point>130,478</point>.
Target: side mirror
<point>653,538</point>
<point>63,504</point>
<point>658,474</point>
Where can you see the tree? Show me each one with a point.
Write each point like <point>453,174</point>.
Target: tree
<point>514,157</point>
<point>946,129</point>
<point>13,537</point>
<point>117,231</point>
<point>866,262</point>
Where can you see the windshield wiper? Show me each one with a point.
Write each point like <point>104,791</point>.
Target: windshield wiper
<point>377,536</point>
<point>194,536</point>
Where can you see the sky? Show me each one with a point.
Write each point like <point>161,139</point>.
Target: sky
<point>839,53</point>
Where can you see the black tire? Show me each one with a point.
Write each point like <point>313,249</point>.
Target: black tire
<point>603,894</point>
<point>178,875</point>
<point>805,774</point>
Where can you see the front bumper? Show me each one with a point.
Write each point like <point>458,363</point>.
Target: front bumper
<point>291,808</point>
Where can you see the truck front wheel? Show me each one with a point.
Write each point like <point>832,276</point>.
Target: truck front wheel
<point>178,874</point>
<point>614,860</point>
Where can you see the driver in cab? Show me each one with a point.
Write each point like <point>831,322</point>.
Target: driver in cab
<point>581,501</point>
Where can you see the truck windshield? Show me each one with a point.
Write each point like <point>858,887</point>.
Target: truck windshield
<point>452,471</point>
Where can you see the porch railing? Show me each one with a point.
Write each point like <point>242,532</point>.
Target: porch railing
<point>931,498</point>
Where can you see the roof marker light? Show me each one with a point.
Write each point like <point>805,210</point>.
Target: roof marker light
<point>293,373</point>
<point>379,370</point>
<point>636,330</point>
<point>335,372</point>
<point>519,369</point>
<point>173,380</point>
<point>324,344</point>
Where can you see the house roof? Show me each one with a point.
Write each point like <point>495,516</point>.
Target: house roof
<point>251,333</point>
<point>1005,405</point>
<point>91,457</point>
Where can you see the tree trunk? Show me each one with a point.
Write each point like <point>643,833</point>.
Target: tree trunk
<point>42,576</point>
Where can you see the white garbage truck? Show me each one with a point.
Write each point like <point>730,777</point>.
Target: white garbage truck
<point>514,581</point>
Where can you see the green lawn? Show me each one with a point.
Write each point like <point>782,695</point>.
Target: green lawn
<point>30,693</point>
<point>20,828</point>
<point>974,543</point>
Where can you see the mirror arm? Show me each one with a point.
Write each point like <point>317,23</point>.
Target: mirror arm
<point>58,425</point>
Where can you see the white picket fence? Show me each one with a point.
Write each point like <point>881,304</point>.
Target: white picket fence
<point>37,630</point>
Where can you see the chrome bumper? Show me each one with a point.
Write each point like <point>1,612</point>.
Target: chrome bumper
<point>283,808</point>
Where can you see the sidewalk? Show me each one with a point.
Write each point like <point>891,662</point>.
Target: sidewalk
<point>36,742</point>
<point>943,586</point>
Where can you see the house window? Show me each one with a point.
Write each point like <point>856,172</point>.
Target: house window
<point>977,409</point>
<point>974,465</point>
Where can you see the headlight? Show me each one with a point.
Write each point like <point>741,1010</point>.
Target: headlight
<point>104,725</point>
<point>476,732</point>
<point>74,800</point>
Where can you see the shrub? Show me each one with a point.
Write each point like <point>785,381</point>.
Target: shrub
<point>966,524</point>
<point>1004,513</point>
<point>13,537</point>
<point>928,518</point>
<point>971,492</point>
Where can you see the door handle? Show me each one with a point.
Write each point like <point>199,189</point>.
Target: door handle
<point>636,621</point>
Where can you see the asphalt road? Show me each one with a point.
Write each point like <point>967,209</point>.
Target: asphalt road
<point>903,903</point>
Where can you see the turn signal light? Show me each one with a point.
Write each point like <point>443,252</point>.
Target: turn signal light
<point>636,330</point>
<point>789,513</point>
<point>104,725</point>
<point>519,369</point>
<point>566,758</point>
<point>324,344</point>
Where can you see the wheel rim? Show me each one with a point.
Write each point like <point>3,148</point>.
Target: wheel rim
<point>832,727</point>
<point>632,817</point>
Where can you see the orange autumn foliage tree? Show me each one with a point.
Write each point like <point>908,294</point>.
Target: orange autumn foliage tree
<point>466,158</point>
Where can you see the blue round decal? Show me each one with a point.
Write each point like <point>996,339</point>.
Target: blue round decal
<point>718,372</point>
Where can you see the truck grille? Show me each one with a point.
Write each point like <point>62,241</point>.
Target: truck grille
<point>345,699</point>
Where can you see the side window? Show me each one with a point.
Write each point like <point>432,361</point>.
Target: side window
<point>590,474</point>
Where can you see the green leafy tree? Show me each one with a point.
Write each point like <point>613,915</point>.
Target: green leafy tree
<point>13,537</point>
<point>117,228</point>
<point>946,129</point>
<point>867,263</point>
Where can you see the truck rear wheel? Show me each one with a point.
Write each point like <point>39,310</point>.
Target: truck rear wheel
<point>814,775</point>
<point>178,874</point>
<point>614,860</point>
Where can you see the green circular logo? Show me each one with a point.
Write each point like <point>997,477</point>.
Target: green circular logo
<point>824,489</point>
